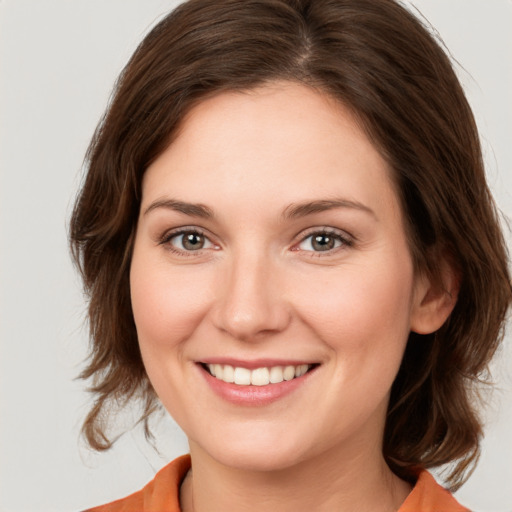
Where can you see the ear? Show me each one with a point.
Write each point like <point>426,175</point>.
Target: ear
<point>434,301</point>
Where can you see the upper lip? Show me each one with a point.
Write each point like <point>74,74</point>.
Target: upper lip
<point>255,363</point>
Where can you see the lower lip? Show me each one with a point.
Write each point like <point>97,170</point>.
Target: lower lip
<point>254,395</point>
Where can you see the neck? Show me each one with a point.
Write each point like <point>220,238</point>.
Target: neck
<point>357,479</point>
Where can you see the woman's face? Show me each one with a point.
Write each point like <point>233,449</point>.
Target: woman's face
<point>270,242</point>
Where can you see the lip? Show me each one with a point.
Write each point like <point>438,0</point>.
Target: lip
<point>253,396</point>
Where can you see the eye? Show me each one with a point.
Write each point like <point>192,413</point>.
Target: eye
<point>322,241</point>
<point>189,241</point>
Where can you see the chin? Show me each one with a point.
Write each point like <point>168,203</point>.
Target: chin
<point>256,453</point>
<point>258,460</point>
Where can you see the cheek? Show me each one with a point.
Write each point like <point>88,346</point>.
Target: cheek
<point>357,310</point>
<point>167,306</point>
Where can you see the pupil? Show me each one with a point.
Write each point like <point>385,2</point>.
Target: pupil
<point>323,242</point>
<point>193,241</point>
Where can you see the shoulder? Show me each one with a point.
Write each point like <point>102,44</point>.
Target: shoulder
<point>162,493</point>
<point>429,496</point>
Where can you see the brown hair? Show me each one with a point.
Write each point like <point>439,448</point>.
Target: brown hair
<point>376,58</point>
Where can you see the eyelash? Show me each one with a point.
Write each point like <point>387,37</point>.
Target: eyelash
<point>340,237</point>
<point>169,235</point>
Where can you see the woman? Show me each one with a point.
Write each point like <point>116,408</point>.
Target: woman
<point>287,238</point>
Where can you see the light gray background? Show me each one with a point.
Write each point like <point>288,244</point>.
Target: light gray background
<point>58,61</point>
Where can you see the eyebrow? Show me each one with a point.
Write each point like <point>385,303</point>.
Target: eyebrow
<point>295,211</point>
<point>292,211</point>
<point>193,209</point>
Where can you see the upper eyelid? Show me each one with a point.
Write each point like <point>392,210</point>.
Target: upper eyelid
<point>170,233</point>
<point>327,230</point>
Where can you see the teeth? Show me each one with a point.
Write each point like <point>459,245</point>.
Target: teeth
<point>301,370</point>
<point>258,376</point>
<point>289,372</point>
<point>229,374</point>
<point>242,376</point>
<point>219,371</point>
<point>276,374</point>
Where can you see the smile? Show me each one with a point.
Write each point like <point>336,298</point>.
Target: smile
<point>258,376</point>
<point>256,383</point>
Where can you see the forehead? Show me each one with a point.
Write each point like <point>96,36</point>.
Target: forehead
<point>283,141</point>
<point>288,110</point>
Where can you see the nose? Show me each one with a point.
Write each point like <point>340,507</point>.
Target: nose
<point>250,303</point>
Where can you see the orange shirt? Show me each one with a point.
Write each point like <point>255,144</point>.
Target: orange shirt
<point>162,494</point>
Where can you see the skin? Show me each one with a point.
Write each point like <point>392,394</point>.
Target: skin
<point>259,289</point>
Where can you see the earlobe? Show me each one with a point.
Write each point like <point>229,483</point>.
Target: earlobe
<point>434,301</point>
